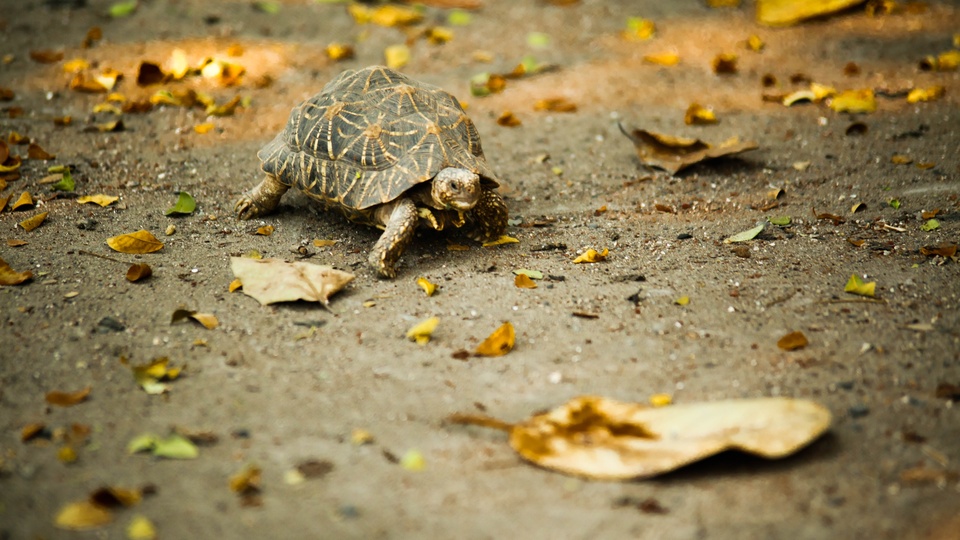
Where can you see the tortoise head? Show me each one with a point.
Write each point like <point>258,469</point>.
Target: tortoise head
<point>457,189</point>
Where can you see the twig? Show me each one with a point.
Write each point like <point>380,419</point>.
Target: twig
<point>84,252</point>
<point>478,420</point>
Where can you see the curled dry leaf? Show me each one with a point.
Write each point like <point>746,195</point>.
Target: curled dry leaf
<point>603,439</point>
<point>698,115</point>
<point>32,223</point>
<point>67,399</point>
<point>275,280</point>
<point>138,272</point>
<point>135,243</point>
<point>23,202</point>
<point>856,285</point>
<point>9,276</point>
<point>523,281</point>
<point>943,250</point>
<point>592,256</point>
<point>266,230</point>
<point>428,287</point>
<point>100,199</point>
<point>504,239</point>
<point>422,331</point>
<point>673,154</point>
<point>500,342</point>
<point>793,341</point>
<point>207,320</point>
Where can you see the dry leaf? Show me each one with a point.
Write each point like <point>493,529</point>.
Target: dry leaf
<point>100,199</point>
<point>339,51</point>
<point>523,281</point>
<point>793,341</point>
<point>855,285</point>
<point>323,243</point>
<point>35,151</point>
<point>855,101</point>
<point>135,243</point>
<point>682,301</point>
<point>725,64</point>
<point>32,223</point>
<point>592,256</point>
<point>787,12</point>
<point>67,399</point>
<point>947,61</point>
<point>943,250</point>
<point>673,154</point>
<point>9,276</point>
<point>661,400</point>
<point>698,115</point>
<point>755,44</point>
<point>422,331</point>
<point>662,59</point>
<point>504,239</point>
<point>275,280</point>
<point>24,201</point>
<point>204,128</point>
<point>499,343</point>
<point>207,320</point>
<point>413,460</point>
<point>428,287</point>
<point>603,439</point>
<point>266,230</point>
<point>926,94</point>
<point>46,56</point>
<point>139,271</point>
<point>507,119</point>
<point>555,105</point>
<point>141,528</point>
<point>639,29</point>
<point>13,242</point>
<point>82,516</point>
<point>396,56</point>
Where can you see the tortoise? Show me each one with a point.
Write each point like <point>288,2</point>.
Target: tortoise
<point>388,151</point>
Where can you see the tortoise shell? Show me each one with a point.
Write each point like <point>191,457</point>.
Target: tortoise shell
<point>369,136</point>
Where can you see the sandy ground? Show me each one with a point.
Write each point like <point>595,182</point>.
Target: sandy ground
<point>276,393</point>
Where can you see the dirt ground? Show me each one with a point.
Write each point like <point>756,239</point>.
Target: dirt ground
<point>276,393</point>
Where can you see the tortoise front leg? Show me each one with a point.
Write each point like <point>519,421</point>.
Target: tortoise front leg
<point>490,217</point>
<point>262,199</point>
<point>400,221</point>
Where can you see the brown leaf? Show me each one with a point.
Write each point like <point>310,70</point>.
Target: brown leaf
<point>930,214</point>
<point>34,431</point>
<point>34,151</point>
<point>46,56</point>
<point>793,341</point>
<point>6,94</point>
<point>67,399</point>
<point>555,105</point>
<point>837,220</point>
<point>508,119</point>
<point>313,468</point>
<point>33,222</point>
<point>13,242</point>
<point>8,276</point>
<point>139,271</point>
<point>4,151</point>
<point>673,154</point>
<point>523,281</point>
<point>943,250</point>
<point>149,74</point>
<point>725,64</point>
<point>266,230</point>
<point>135,243</point>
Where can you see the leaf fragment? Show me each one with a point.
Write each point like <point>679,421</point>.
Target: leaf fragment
<point>423,330</point>
<point>725,64</point>
<point>661,400</point>
<point>82,516</point>
<point>856,285</point>
<point>523,281</point>
<point>558,104</point>
<point>682,301</point>
<point>428,288</point>
<point>24,201</point>
<point>265,230</point>
<point>35,151</point>
<point>592,256</point>
<point>339,51</point>
<point>207,320</point>
<point>141,528</point>
<point>932,93</point>
<point>67,399</point>
<point>33,222</point>
<point>508,119</point>
<point>943,250</point>
<point>9,276</point>
<point>396,56</point>
<point>247,481</point>
<point>499,343</point>
<point>100,199</point>
<point>413,460</point>
<point>666,59</point>
<point>503,239</point>
<point>855,101</point>
<point>746,235</point>
<point>673,154</point>
<point>793,341</point>
<point>699,115</point>
<point>203,128</point>
<point>135,243</point>
<point>275,280</point>
<point>639,29</point>
<point>930,225</point>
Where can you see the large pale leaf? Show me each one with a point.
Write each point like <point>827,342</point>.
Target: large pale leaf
<point>673,154</point>
<point>276,280</point>
<point>603,439</point>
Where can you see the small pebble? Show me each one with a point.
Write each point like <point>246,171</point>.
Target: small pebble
<point>170,230</point>
<point>684,236</point>
<point>846,385</point>
<point>109,324</point>
<point>858,411</point>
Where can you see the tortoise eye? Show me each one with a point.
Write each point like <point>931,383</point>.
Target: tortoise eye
<point>455,186</point>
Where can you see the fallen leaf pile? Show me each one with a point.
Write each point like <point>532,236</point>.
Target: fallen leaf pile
<point>603,439</point>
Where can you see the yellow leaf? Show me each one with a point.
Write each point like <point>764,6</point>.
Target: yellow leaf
<point>178,64</point>
<point>66,454</point>
<point>499,343</point>
<point>413,460</point>
<point>439,35</point>
<point>135,243</point>
<point>141,528</point>
<point>207,320</point>
<point>754,43</point>
<point>388,15</point>
<point>226,109</point>
<point>25,200</point>
<point>504,239</point>
<point>107,108</point>
<point>523,281</point>
<point>698,115</point>
<point>324,243</point>
<point>102,200</point>
<point>266,230</point>
<point>787,12</point>
<point>899,159</point>
<point>203,128</point>
<point>639,29</point>
<point>663,59</point>
<point>661,400</point>
<point>396,56</point>
<point>926,94</point>
<point>246,481</point>
<point>108,78</point>
<point>67,399</point>
<point>555,105</point>
<point>234,285</point>
<point>360,437</point>
<point>32,223</point>
<point>793,341</point>
<point>855,101</point>
<point>428,288</point>
<point>339,51</point>
<point>9,276</point>
<point>81,516</point>
<point>422,331</point>
<point>682,301</point>
<point>592,256</point>
<point>822,91</point>
<point>75,65</point>
<point>855,285</point>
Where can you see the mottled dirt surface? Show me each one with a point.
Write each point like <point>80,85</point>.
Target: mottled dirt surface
<point>276,394</point>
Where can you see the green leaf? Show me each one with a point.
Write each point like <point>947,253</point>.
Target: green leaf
<point>538,40</point>
<point>459,17</point>
<point>142,443</point>
<point>781,221</point>
<point>175,447</point>
<point>855,285</point>
<point>478,85</point>
<point>894,203</point>
<point>122,9</point>
<point>746,235</point>
<point>66,183</point>
<point>185,205</point>
<point>930,225</point>
<point>532,274</point>
<point>270,8</point>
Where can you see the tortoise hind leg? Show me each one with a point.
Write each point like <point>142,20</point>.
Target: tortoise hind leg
<point>400,224</point>
<point>262,199</point>
<point>490,217</point>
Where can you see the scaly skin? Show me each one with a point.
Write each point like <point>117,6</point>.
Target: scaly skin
<point>490,217</point>
<point>400,220</point>
<point>262,199</point>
